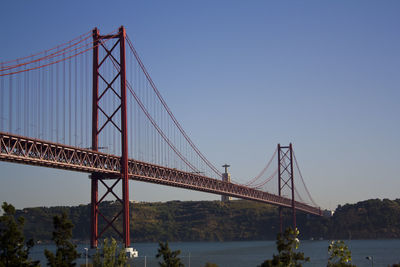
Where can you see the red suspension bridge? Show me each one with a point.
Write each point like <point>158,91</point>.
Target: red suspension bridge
<point>89,105</point>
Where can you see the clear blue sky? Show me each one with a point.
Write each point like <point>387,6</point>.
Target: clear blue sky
<point>242,76</point>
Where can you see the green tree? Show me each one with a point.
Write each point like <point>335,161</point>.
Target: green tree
<point>109,255</point>
<point>13,250</point>
<point>66,253</point>
<point>287,243</point>
<point>339,254</point>
<point>170,258</point>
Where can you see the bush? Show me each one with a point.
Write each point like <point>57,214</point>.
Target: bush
<point>287,243</point>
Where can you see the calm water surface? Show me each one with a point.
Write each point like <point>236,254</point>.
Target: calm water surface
<point>253,253</point>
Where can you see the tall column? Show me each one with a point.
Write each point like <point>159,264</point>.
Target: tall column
<point>292,186</point>
<point>95,124</point>
<point>286,179</point>
<point>226,177</point>
<point>124,136</point>
<point>280,189</point>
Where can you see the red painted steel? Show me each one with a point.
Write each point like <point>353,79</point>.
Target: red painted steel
<point>292,187</point>
<point>19,149</point>
<point>286,176</point>
<point>280,188</point>
<point>105,168</point>
<point>123,130</point>
<point>95,125</point>
<point>124,133</point>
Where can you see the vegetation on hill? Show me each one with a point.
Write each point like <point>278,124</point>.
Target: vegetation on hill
<point>217,221</point>
<point>368,219</point>
<point>287,242</point>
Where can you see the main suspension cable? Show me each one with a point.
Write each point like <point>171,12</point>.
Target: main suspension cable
<point>301,176</point>
<point>263,170</point>
<point>209,164</point>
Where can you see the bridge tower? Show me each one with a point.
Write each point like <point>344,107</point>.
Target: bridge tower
<point>116,86</point>
<point>226,177</point>
<point>286,179</point>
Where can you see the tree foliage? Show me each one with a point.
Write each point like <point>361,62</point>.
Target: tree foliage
<point>287,244</point>
<point>13,250</point>
<point>169,258</point>
<point>66,253</point>
<point>216,221</point>
<point>369,219</point>
<point>339,254</point>
<point>110,255</point>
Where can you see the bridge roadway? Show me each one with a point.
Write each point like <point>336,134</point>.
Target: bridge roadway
<point>19,149</point>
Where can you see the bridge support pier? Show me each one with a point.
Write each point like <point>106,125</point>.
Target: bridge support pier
<point>286,179</point>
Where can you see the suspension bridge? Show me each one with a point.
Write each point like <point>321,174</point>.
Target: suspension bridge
<point>89,105</point>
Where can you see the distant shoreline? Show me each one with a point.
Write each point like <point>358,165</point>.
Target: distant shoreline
<point>239,220</point>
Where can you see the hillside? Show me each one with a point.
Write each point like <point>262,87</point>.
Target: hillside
<point>216,221</point>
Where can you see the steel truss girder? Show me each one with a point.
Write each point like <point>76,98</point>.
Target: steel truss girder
<point>31,151</point>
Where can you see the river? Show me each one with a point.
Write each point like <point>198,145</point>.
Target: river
<point>253,253</point>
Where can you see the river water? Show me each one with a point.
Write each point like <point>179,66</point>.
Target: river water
<point>253,253</point>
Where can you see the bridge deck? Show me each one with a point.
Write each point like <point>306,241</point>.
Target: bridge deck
<point>31,151</point>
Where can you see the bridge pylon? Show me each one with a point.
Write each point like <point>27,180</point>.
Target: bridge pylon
<point>286,179</point>
<point>226,177</point>
<point>114,85</point>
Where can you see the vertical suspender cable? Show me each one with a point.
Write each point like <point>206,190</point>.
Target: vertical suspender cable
<point>2,113</point>
<point>81,71</point>
<point>69,102</point>
<point>130,113</point>
<point>58,103</point>
<point>38,93</point>
<point>10,104</point>
<point>28,106</point>
<point>18,103</point>
<point>64,97</point>
<point>43,108</point>
<point>76,107</point>
<point>51,102</point>
<point>87,100</point>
